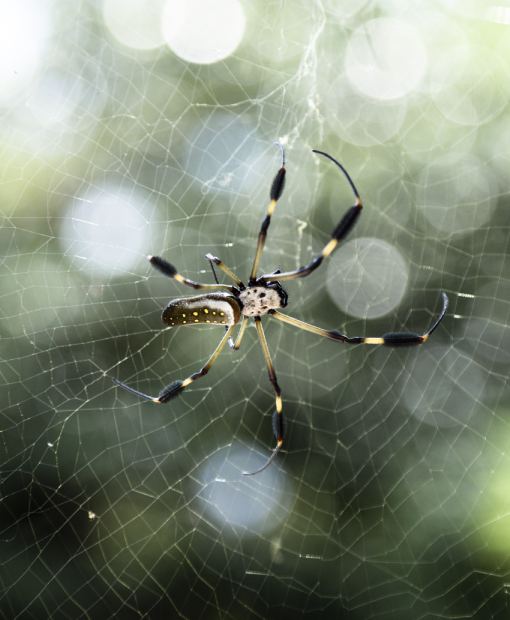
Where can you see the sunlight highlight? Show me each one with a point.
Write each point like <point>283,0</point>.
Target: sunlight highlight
<point>203,31</point>
<point>24,30</point>
<point>385,58</point>
<point>135,23</point>
<point>105,230</point>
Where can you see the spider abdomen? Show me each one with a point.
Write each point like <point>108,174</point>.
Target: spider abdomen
<point>210,308</point>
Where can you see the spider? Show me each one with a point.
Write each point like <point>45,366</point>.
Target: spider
<point>229,305</point>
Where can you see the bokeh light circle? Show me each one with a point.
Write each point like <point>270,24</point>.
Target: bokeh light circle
<point>359,119</point>
<point>385,58</point>
<point>25,27</point>
<point>135,23</point>
<point>257,503</point>
<point>105,231</point>
<point>367,277</point>
<point>203,31</point>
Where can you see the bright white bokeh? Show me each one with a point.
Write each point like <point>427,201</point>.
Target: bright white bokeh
<point>25,27</point>
<point>443,386</point>
<point>465,9</point>
<point>135,23</point>
<point>499,14</point>
<point>386,58</point>
<point>106,230</point>
<point>66,99</point>
<point>257,503</point>
<point>456,193</point>
<point>367,277</point>
<point>203,31</point>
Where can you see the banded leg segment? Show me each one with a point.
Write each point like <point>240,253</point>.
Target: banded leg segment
<point>274,195</point>
<point>278,414</point>
<point>170,271</point>
<point>391,339</point>
<point>175,388</point>
<point>226,270</point>
<point>342,229</point>
<point>235,345</point>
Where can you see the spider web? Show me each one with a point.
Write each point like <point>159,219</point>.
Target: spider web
<point>391,495</point>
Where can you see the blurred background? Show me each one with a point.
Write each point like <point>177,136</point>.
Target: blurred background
<point>132,127</point>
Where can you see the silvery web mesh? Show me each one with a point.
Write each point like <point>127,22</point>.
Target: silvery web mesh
<point>390,497</point>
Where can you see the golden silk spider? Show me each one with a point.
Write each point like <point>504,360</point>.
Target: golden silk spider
<point>229,305</point>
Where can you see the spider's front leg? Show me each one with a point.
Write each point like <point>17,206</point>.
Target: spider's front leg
<point>342,229</point>
<point>278,427</point>
<point>175,388</point>
<point>275,194</point>
<point>168,270</point>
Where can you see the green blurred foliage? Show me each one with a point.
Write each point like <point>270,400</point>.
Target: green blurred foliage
<point>390,499</point>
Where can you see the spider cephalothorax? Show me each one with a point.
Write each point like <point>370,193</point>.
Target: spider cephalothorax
<point>229,305</point>
<point>260,298</point>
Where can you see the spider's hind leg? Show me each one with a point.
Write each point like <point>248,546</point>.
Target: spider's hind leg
<point>278,423</point>
<point>175,388</point>
<point>341,230</point>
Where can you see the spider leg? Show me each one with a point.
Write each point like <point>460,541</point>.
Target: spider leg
<point>278,414</point>
<point>274,195</point>
<point>342,229</point>
<point>235,345</point>
<point>391,339</point>
<point>178,386</point>
<point>170,271</point>
<point>226,270</point>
